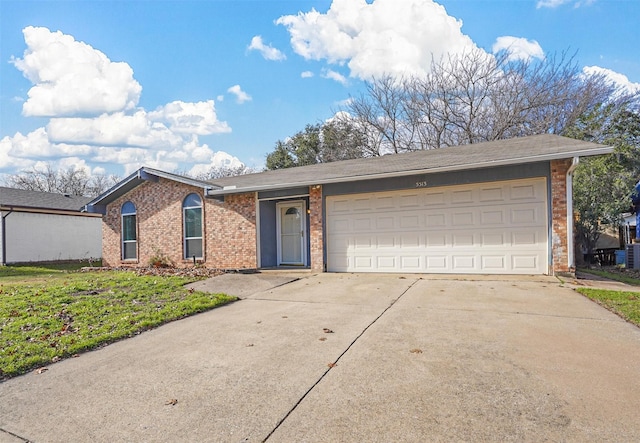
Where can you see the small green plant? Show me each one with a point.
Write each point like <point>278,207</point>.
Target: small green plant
<point>161,260</point>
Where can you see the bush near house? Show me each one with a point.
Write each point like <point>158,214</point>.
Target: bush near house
<point>47,314</point>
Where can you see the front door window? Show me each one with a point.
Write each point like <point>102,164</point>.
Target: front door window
<point>291,229</point>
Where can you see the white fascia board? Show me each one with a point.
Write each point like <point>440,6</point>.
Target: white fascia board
<point>508,162</point>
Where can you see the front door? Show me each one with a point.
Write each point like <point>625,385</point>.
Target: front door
<point>291,233</point>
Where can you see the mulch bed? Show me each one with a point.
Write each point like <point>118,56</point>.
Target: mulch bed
<point>163,271</point>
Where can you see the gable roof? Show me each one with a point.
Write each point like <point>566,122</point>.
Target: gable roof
<point>513,151</point>
<point>20,198</point>
<point>142,175</point>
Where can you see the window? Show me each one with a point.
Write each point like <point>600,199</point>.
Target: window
<point>129,236</point>
<point>192,218</point>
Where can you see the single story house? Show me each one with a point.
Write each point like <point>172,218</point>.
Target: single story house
<point>44,227</point>
<point>501,207</point>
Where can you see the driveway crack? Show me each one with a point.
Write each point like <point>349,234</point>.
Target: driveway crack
<point>324,374</point>
<point>15,435</point>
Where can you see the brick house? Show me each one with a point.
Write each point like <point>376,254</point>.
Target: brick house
<point>489,208</point>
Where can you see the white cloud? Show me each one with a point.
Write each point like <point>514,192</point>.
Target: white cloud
<point>306,74</point>
<point>556,3</point>
<point>333,75</point>
<point>71,78</point>
<point>241,96</point>
<point>518,48</point>
<point>116,129</point>
<point>191,118</point>
<point>382,37</point>
<point>219,160</point>
<point>36,145</point>
<point>619,80</point>
<point>95,123</point>
<point>267,51</point>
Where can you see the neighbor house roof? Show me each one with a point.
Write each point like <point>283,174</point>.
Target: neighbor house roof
<point>513,151</point>
<point>11,198</point>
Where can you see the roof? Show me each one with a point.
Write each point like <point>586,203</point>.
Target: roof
<point>513,151</point>
<point>137,178</point>
<point>20,198</point>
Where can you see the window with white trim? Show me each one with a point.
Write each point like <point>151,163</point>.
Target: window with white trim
<point>129,232</point>
<point>192,220</point>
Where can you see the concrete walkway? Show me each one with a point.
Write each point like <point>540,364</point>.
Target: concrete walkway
<point>352,358</point>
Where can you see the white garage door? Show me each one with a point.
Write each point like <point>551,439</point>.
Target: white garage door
<point>490,228</point>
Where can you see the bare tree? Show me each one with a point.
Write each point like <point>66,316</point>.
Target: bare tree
<point>476,97</point>
<point>64,181</point>
<point>223,171</point>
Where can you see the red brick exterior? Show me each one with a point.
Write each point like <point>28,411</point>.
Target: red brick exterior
<point>559,231</point>
<point>229,233</point>
<point>315,228</point>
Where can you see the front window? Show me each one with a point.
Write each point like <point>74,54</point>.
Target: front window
<point>129,235</point>
<point>192,216</point>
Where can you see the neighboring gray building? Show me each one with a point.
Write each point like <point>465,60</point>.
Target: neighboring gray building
<point>43,226</point>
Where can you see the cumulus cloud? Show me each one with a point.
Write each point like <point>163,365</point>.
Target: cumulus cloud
<point>191,118</point>
<point>333,75</point>
<point>94,118</point>
<point>518,48</point>
<point>241,96</point>
<point>383,37</point>
<point>267,51</point>
<point>72,78</point>
<point>619,80</point>
<point>306,74</point>
<point>219,160</point>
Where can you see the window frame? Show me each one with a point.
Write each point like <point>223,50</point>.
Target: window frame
<point>125,213</point>
<point>186,206</point>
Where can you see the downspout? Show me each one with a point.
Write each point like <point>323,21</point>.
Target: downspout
<point>570,247</point>
<point>4,237</point>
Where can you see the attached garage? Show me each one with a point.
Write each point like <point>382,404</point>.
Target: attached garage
<point>486,228</point>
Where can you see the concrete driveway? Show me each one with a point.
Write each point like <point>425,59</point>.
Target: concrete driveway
<point>408,359</point>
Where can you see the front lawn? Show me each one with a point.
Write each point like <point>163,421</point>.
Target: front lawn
<point>47,314</point>
<point>625,304</point>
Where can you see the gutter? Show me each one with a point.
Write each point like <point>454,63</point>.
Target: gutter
<point>4,237</point>
<point>570,245</point>
<point>380,175</point>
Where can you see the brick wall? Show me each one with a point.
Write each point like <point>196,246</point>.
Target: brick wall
<point>231,232</point>
<point>228,228</point>
<point>315,228</point>
<point>559,231</point>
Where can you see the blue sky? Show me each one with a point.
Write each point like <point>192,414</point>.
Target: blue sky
<point>113,85</point>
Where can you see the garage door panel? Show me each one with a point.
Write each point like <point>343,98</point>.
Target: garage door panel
<point>484,228</point>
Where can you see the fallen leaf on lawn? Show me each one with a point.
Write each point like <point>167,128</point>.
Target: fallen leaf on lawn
<point>322,338</point>
<point>55,359</point>
<point>327,331</point>
<point>332,365</point>
<point>171,402</point>
<point>41,370</point>
<point>75,356</point>
<point>416,351</point>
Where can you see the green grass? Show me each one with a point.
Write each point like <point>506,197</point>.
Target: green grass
<point>47,314</point>
<point>625,304</point>
<point>618,276</point>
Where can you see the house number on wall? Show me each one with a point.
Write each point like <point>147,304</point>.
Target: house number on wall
<point>421,184</point>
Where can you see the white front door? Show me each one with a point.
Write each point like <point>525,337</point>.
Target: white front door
<point>291,233</point>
